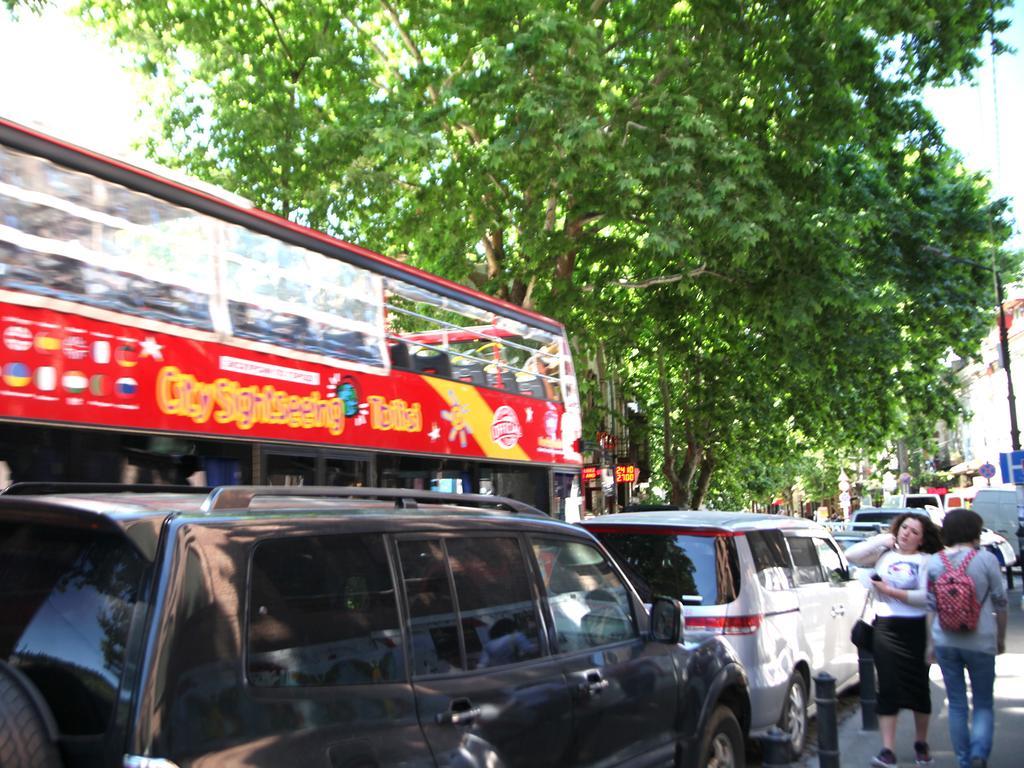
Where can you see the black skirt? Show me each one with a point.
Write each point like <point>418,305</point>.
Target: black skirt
<point>899,648</point>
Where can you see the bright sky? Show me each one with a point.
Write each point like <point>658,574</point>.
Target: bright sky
<point>61,77</point>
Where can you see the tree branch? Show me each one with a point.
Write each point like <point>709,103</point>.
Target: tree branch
<point>410,45</point>
<point>663,279</point>
<point>281,40</point>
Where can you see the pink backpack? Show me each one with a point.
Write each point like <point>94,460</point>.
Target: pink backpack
<point>956,600</point>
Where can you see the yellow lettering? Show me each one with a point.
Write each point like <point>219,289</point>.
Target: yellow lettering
<point>227,402</point>
<point>395,415</point>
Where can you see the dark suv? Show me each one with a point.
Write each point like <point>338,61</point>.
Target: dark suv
<point>337,627</point>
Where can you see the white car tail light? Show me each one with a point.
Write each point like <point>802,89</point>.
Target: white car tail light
<point>726,625</point>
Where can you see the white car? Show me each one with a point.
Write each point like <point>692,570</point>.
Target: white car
<point>879,519</point>
<point>777,588</point>
<point>998,546</point>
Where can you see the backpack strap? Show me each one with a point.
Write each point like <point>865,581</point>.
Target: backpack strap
<point>967,561</point>
<point>963,563</point>
<point>945,560</point>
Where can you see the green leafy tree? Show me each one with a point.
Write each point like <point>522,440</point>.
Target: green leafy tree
<point>746,203</point>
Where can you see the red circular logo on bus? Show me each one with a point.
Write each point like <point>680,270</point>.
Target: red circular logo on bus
<point>505,429</point>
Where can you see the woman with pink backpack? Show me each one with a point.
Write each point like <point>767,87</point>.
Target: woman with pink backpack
<point>968,603</point>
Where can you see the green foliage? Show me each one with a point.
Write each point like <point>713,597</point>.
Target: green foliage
<point>745,204</point>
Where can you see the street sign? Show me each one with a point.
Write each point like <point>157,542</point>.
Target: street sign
<point>1010,466</point>
<point>987,470</point>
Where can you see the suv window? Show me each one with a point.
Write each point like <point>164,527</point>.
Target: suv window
<point>771,559</point>
<point>697,569</point>
<point>496,608</point>
<point>589,603</point>
<point>322,612</point>
<point>805,560</point>
<point>498,622</point>
<point>831,561</point>
<point>428,592</point>
<point>68,596</point>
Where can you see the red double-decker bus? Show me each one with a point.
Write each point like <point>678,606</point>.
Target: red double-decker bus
<point>154,330</point>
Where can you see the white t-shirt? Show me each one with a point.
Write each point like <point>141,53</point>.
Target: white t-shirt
<point>909,572</point>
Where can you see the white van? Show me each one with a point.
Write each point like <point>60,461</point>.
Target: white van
<point>924,501</point>
<point>998,508</point>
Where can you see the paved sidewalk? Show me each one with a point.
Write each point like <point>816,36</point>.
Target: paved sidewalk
<point>857,747</point>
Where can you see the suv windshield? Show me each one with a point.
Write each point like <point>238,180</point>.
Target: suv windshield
<point>67,597</point>
<point>697,568</point>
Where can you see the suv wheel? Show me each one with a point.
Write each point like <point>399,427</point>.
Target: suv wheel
<point>723,741</point>
<point>24,719</point>
<point>794,715</point>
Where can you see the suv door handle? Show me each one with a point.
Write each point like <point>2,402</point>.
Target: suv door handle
<point>460,712</point>
<point>593,684</point>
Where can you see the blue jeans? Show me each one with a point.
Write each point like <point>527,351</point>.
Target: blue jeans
<point>973,740</point>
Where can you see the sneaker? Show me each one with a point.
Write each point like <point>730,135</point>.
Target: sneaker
<point>922,754</point>
<point>979,762</point>
<point>884,758</point>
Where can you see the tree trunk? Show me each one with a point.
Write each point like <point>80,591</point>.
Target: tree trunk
<point>689,469</point>
<point>707,466</point>
<point>668,453</point>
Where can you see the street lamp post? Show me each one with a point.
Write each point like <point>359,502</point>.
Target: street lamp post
<point>844,494</point>
<point>1004,354</point>
<point>1004,341</point>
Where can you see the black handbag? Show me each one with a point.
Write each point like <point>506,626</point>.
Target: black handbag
<point>862,634</point>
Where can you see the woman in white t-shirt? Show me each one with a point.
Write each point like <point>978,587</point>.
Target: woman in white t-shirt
<point>901,648</point>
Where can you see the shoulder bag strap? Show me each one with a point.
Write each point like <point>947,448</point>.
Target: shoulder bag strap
<point>867,601</point>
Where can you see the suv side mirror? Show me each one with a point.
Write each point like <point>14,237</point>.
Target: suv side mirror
<point>667,620</point>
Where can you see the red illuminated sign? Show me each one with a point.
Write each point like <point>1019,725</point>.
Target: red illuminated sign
<point>627,473</point>
<point>590,472</point>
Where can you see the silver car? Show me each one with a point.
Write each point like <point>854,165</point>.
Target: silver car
<point>777,588</point>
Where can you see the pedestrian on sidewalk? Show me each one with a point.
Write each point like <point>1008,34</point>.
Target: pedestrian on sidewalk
<point>900,558</point>
<point>959,647</point>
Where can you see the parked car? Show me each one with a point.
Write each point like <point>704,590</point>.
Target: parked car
<point>339,627</point>
<point>878,519</point>
<point>846,539</point>
<point>960,498</point>
<point>923,501</point>
<point>998,510</point>
<point>777,588</point>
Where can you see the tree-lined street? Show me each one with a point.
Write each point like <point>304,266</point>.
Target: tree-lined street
<point>743,213</point>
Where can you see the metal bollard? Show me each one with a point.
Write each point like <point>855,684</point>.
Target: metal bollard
<point>777,748</point>
<point>868,691</point>
<point>828,724</point>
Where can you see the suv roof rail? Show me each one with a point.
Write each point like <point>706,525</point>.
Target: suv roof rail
<point>241,496</point>
<point>31,488</point>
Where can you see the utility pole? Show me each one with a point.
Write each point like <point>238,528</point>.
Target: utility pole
<point>1004,341</point>
<point>1004,355</point>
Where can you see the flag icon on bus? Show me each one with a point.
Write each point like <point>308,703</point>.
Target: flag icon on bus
<point>75,382</point>
<point>47,342</point>
<point>127,355</point>
<point>46,378</point>
<point>126,387</point>
<point>17,375</point>
<point>98,386</point>
<point>101,352</point>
